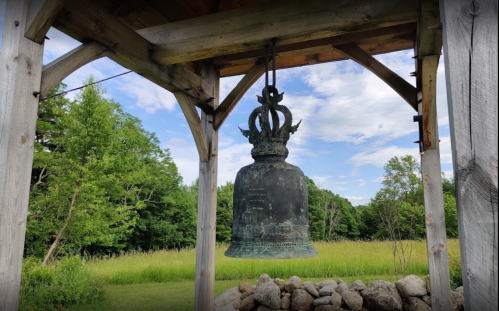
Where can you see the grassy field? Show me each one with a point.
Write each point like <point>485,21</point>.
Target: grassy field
<point>164,280</point>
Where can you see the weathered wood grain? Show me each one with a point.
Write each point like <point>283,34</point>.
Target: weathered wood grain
<point>399,85</point>
<point>20,74</point>
<point>470,33</point>
<point>41,15</point>
<point>55,71</point>
<point>223,111</point>
<point>207,206</point>
<point>291,21</point>
<point>436,236</point>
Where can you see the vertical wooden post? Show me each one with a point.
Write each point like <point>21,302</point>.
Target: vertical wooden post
<point>207,206</point>
<point>470,52</point>
<point>20,75</point>
<point>436,236</point>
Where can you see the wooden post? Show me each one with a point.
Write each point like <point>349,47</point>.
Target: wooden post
<point>471,65</point>
<point>436,236</point>
<point>207,206</point>
<point>20,75</point>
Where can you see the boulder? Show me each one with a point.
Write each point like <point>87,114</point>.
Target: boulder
<point>301,300</point>
<point>321,284</point>
<point>427,299</point>
<point>324,300</point>
<point>248,304</point>
<point>336,299</point>
<point>246,288</point>
<point>457,301</point>
<point>280,283</point>
<point>411,286</point>
<point>460,290</point>
<point>415,304</point>
<point>286,301</point>
<point>382,296</point>
<point>237,304</point>
<point>327,290</point>
<point>227,298</point>
<point>265,308</point>
<point>357,285</point>
<point>227,308</point>
<point>341,288</point>
<point>427,282</point>
<point>352,300</point>
<point>267,292</point>
<point>328,308</point>
<point>310,287</point>
<point>293,283</point>
<point>340,281</point>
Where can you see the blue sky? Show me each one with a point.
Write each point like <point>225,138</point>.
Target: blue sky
<point>352,123</point>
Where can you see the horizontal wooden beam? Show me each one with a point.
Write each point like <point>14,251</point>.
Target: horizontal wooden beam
<point>223,111</point>
<point>41,15</point>
<point>291,21</point>
<point>399,85</point>
<point>87,21</point>
<point>57,70</point>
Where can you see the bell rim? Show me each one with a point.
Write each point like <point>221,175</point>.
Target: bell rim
<point>288,250</point>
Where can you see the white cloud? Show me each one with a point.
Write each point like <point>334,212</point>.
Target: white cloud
<point>352,199</point>
<point>326,182</point>
<point>445,150</point>
<point>380,156</point>
<point>361,182</point>
<point>379,179</point>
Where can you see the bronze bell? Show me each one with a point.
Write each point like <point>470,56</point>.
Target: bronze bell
<point>270,195</point>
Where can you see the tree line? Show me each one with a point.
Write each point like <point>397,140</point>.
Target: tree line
<point>101,184</point>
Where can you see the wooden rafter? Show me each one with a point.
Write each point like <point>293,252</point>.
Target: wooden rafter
<point>57,70</point>
<point>87,21</point>
<point>399,85</point>
<point>223,111</point>
<point>41,15</point>
<point>247,29</point>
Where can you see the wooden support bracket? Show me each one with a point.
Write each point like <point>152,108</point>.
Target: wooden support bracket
<point>41,15</point>
<point>223,111</point>
<point>399,85</point>
<point>57,70</point>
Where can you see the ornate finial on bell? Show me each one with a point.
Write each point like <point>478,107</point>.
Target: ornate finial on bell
<point>270,195</point>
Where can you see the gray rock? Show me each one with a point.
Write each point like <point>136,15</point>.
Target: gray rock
<point>246,294</point>
<point>460,290</point>
<point>321,284</point>
<point>352,300</point>
<point>328,308</point>
<point>411,286</point>
<point>427,282</point>
<point>227,308</point>
<point>310,287</point>
<point>340,281</point>
<point>267,292</point>
<point>382,296</point>
<point>280,283</point>
<point>327,290</point>
<point>357,285</point>
<point>301,300</point>
<point>237,304</point>
<point>293,283</point>
<point>341,288</point>
<point>324,300</point>
<point>457,301</point>
<point>415,304</point>
<point>427,299</point>
<point>336,299</point>
<point>264,308</point>
<point>286,301</point>
<point>248,304</point>
<point>227,298</point>
<point>246,288</point>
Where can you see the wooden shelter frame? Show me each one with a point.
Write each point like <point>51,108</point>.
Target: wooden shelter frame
<point>188,56</point>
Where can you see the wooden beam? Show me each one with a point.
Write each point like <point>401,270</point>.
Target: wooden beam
<point>290,21</point>
<point>223,111</point>
<point>207,208</point>
<point>40,17</point>
<point>60,68</point>
<point>436,235</point>
<point>87,21</point>
<point>192,116</point>
<point>21,63</point>
<point>399,85</point>
<point>470,36</point>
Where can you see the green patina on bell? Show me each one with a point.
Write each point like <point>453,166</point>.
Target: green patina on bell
<point>270,195</point>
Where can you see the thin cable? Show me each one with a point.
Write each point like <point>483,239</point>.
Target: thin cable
<point>81,87</point>
<point>273,63</point>
<point>266,66</point>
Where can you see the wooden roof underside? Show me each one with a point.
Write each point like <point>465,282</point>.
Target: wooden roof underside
<point>233,33</point>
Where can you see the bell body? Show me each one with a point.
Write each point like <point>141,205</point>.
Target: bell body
<point>270,211</point>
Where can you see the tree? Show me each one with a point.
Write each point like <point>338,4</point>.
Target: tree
<point>225,208</point>
<point>315,211</point>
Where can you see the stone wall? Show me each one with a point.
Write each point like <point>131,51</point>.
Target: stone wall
<point>408,294</point>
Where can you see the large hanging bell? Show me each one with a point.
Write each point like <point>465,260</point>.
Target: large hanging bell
<point>270,195</point>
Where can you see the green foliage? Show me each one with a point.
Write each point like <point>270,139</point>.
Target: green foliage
<point>64,284</point>
<point>225,205</point>
<point>315,211</point>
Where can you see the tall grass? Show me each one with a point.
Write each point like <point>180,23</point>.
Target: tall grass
<point>336,259</point>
